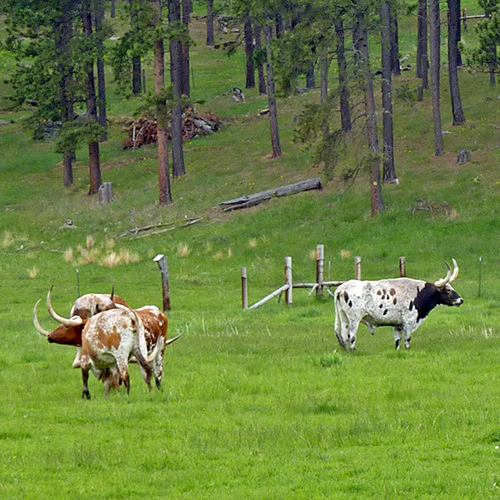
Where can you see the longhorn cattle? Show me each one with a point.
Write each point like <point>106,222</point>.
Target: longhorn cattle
<point>109,339</point>
<point>70,331</point>
<point>155,332</point>
<point>402,303</point>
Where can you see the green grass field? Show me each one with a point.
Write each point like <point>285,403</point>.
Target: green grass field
<point>257,404</point>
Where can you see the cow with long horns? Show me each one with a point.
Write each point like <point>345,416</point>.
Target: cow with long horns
<point>402,303</point>
<point>70,331</point>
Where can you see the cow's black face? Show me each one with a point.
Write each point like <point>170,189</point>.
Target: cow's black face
<point>449,297</point>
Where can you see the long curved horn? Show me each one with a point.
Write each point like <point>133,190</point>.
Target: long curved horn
<point>38,327</point>
<point>455,271</point>
<point>442,282</point>
<point>113,292</point>
<point>169,341</point>
<point>73,321</point>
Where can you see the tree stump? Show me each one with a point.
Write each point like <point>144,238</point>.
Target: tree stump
<point>106,193</point>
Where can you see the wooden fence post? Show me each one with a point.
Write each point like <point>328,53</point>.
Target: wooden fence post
<point>288,280</point>
<point>358,268</point>
<point>402,267</point>
<point>244,288</point>
<point>320,269</point>
<point>162,262</point>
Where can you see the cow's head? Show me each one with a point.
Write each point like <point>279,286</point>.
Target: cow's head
<point>68,335</point>
<point>447,294</point>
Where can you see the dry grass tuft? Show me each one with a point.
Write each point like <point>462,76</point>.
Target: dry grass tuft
<point>345,254</point>
<point>112,260</point>
<point>90,242</point>
<point>8,240</point>
<point>183,250</point>
<point>68,256</point>
<point>219,256</point>
<point>253,243</point>
<point>33,273</point>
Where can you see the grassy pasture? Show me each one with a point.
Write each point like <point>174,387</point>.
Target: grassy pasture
<point>261,404</point>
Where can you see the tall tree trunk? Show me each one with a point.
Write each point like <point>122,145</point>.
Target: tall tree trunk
<point>113,9</point>
<point>174,16</point>
<point>453,58</point>
<point>324,65</point>
<point>310,77</point>
<point>101,78</point>
<point>94,153</point>
<point>260,64</point>
<point>435,40</point>
<point>64,30</point>
<point>165,192</point>
<point>422,47</point>
<point>249,51</point>
<point>389,172</point>
<point>394,37</point>
<point>271,92</point>
<point>345,106</point>
<point>210,23</point>
<point>377,203</point>
<point>136,58</point>
<point>187,8</point>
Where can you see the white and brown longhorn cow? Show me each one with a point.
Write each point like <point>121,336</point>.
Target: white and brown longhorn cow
<point>70,331</point>
<point>402,303</point>
<point>109,340</point>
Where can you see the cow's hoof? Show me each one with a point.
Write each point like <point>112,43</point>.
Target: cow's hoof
<point>85,395</point>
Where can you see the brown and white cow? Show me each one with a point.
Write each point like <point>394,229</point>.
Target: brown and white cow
<point>402,303</point>
<point>109,340</point>
<point>70,331</point>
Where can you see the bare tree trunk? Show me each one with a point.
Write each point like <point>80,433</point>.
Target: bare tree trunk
<point>453,58</point>
<point>310,78</point>
<point>422,47</point>
<point>101,77</point>
<point>174,16</point>
<point>345,106</point>
<point>377,203</point>
<point>113,9</point>
<point>94,154</point>
<point>435,73</point>
<point>260,64</point>
<point>271,93</point>
<point>389,172</point>
<point>249,51</point>
<point>165,193</point>
<point>210,23</point>
<point>394,36</point>
<point>187,8</point>
<point>136,58</point>
<point>64,29</point>
<point>324,65</point>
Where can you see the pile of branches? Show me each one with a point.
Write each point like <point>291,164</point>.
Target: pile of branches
<point>144,130</point>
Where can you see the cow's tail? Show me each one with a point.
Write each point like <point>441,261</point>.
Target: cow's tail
<point>338,321</point>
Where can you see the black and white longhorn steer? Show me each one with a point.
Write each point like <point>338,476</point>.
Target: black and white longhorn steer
<point>403,303</point>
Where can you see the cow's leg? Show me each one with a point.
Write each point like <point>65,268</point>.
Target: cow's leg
<point>407,338</point>
<point>352,331</point>
<point>397,337</point>
<point>85,378</point>
<point>125,378</point>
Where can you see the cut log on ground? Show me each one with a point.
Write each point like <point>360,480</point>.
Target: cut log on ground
<point>255,199</point>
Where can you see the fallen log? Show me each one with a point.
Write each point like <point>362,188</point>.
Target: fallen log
<point>257,198</point>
